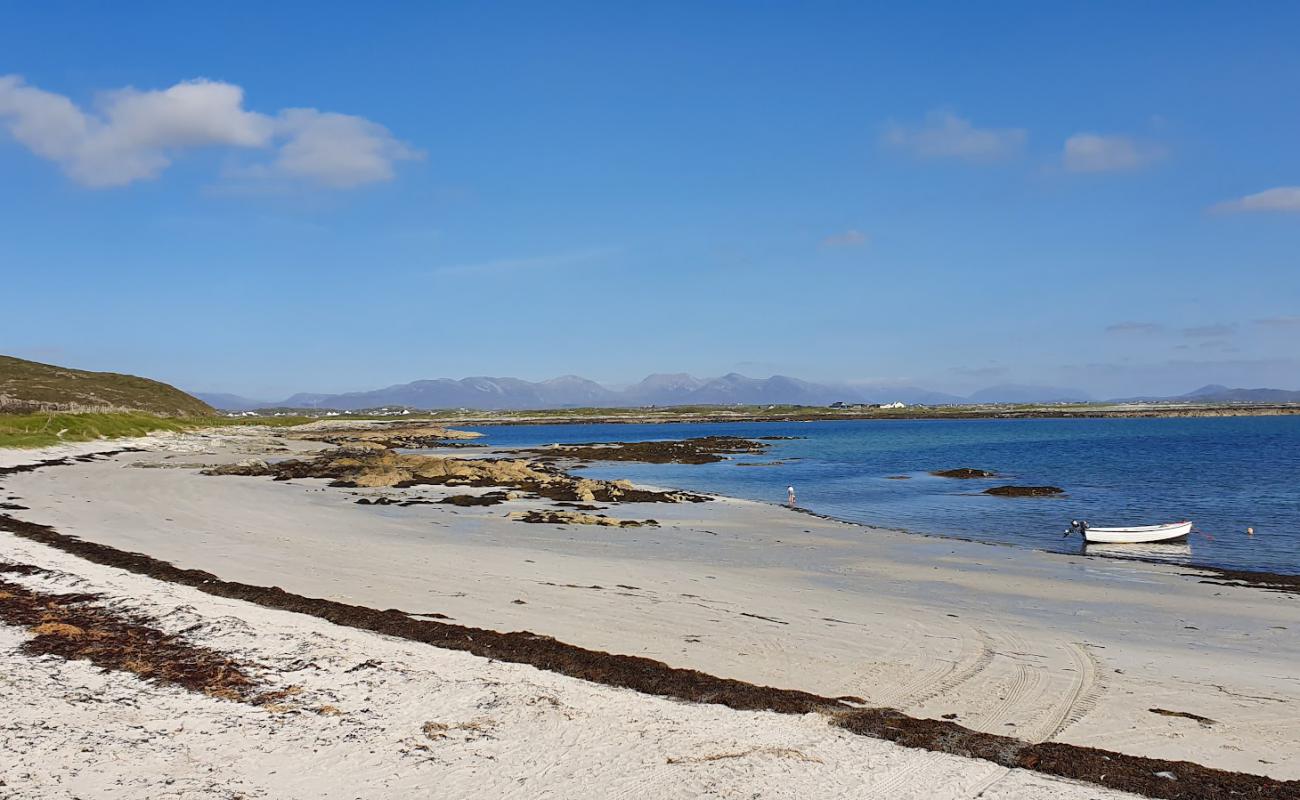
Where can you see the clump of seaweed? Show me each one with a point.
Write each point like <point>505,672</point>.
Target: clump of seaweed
<point>76,627</point>
<point>578,518</point>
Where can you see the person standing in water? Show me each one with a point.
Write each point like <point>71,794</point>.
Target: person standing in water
<point>789,491</point>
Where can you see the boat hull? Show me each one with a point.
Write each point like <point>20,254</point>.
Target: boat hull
<point>1140,535</point>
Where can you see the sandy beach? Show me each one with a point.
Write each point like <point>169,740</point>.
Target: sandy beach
<point>1140,659</point>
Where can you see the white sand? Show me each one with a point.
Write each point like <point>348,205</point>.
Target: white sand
<point>1028,644</point>
<point>359,726</point>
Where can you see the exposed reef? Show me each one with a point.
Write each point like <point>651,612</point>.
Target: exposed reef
<point>369,465</point>
<point>702,450</point>
<point>405,435</point>
<point>964,473</point>
<point>1024,491</point>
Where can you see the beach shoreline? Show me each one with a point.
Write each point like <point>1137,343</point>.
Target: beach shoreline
<point>784,604</point>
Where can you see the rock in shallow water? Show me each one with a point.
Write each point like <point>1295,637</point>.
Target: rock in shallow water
<point>1024,491</point>
<point>964,473</point>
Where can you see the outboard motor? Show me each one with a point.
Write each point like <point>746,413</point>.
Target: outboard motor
<point>1077,526</point>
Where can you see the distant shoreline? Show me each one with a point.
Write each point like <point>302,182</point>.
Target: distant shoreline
<point>809,414</point>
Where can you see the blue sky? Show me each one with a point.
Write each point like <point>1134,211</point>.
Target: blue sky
<point>270,198</point>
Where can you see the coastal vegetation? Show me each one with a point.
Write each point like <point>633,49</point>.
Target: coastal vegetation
<point>27,386</point>
<point>46,429</point>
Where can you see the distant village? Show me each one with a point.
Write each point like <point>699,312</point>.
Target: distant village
<point>841,404</point>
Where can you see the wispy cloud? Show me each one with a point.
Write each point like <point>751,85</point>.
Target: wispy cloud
<point>132,135</point>
<point>1135,328</point>
<point>1281,199</point>
<point>533,263</point>
<point>946,135</point>
<point>848,238</point>
<point>1209,331</point>
<point>1093,152</point>
<point>1280,322</point>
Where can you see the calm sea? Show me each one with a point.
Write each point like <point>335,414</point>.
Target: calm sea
<point>1226,474</point>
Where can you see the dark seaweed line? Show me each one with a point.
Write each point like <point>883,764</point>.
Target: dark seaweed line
<point>1111,769</point>
<point>78,627</point>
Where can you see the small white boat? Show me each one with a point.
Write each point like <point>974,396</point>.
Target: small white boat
<point>1138,535</point>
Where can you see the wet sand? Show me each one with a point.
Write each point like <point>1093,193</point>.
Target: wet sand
<point>1031,645</point>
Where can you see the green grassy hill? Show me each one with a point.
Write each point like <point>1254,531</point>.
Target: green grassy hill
<point>26,386</point>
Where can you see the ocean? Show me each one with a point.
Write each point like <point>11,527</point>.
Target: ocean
<point>1226,474</point>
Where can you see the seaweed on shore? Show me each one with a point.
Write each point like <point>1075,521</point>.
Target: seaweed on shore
<point>578,518</point>
<point>1164,712</point>
<point>1173,780</point>
<point>488,499</point>
<point>64,461</point>
<point>75,627</point>
<point>1152,777</point>
<point>1271,581</point>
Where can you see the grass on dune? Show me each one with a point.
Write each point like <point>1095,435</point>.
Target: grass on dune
<point>29,387</point>
<point>43,430</point>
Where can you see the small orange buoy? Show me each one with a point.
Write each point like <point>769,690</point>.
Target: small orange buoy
<point>1250,531</point>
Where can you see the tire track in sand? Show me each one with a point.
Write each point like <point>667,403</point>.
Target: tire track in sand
<point>1082,696</point>
<point>975,659</point>
<point>1025,684</point>
<point>976,654</point>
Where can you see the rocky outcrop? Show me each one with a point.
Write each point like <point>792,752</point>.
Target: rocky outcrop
<point>403,435</point>
<point>369,465</point>
<point>1024,491</point>
<point>702,450</point>
<point>964,473</point>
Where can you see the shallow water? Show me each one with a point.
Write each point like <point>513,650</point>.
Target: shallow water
<point>1226,474</point>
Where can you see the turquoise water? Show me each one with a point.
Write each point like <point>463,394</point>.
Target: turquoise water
<point>1226,474</point>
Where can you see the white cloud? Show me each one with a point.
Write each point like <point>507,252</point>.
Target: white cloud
<point>1092,152</point>
<point>1283,198</point>
<point>848,238</point>
<point>133,135</point>
<point>946,135</point>
<point>337,150</point>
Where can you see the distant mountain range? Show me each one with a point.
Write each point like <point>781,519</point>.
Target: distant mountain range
<point>495,394</point>
<point>680,389</point>
<point>1215,393</point>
